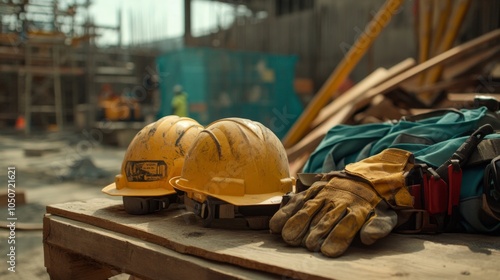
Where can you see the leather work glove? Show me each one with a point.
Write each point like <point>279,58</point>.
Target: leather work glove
<point>362,198</point>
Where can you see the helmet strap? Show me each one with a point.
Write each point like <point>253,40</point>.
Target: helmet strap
<point>141,205</point>
<point>218,213</point>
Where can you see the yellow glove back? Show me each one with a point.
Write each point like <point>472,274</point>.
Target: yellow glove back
<point>328,215</point>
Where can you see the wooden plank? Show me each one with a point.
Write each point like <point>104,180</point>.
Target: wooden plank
<point>350,95</point>
<point>495,72</point>
<point>298,162</point>
<point>465,96</point>
<point>458,83</point>
<point>443,10</point>
<point>466,99</point>
<point>20,197</point>
<point>459,11</point>
<point>132,80</point>
<point>437,60</point>
<point>460,68</point>
<point>380,109</point>
<point>300,153</point>
<point>425,18</point>
<point>62,265</point>
<point>375,78</point>
<point>455,22</point>
<point>42,70</point>
<point>125,254</point>
<point>341,108</point>
<point>341,72</point>
<point>22,226</point>
<point>312,139</point>
<point>411,256</point>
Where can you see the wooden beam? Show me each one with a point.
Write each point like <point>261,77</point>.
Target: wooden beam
<point>75,266</point>
<point>340,109</point>
<point>456,19</point>
<point>378,76</point>
<point>71,253</point>
<point>342,71</point>
<point>312,139</point>
<point>336,113</point>
<point>41,70</point>
<point>465,65</point>
<point>444,9</point>
<point>300,152</point>
<point>20,197</point>
<point>425,15</point>
<point>350,95</point>
<point>466,96</point>
<point>297,164</point>
<point>437,60</point>
<point>454,84</point>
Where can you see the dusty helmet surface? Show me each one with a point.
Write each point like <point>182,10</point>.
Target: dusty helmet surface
<point>238,161</point>
<point>154,156</point>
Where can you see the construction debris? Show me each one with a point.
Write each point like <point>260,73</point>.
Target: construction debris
<point>466,71</point>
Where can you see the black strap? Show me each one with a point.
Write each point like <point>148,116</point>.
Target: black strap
<point>486,151</point>
<point>141,205</point>
<point>431,114</point>
<point>464,152</point>
<point>413,139</point>
<point>241,217</point>
<point>491,186</point>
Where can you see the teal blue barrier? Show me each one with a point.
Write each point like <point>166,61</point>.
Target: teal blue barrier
<point>223,83</point>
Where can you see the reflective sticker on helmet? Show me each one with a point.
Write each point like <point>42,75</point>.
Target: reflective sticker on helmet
<point>145,171</point>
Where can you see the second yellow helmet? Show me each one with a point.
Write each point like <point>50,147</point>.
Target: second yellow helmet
<point>238,161</point>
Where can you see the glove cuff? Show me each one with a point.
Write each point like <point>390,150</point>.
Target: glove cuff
<point>386,173</point>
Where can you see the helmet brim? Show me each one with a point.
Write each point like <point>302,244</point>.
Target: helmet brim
<point>113,191</point>
<point>244,200</point>
<point>249,199</point>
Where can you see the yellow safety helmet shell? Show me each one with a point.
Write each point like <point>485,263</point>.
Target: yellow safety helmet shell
<point>236,160</point>
<point>154,156</point>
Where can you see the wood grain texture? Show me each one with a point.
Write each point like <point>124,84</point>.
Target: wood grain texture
<point>62,264</point>
<point>411,256</point>
<point>92,246</point>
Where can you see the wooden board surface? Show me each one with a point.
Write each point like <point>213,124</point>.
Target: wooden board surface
<point>65,238</point>
<point>409,256</point>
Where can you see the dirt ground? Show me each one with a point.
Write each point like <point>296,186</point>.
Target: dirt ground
<point>50,168</point>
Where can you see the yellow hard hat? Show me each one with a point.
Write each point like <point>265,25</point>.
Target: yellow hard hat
<point>155,155</point>
<point>238,161</point>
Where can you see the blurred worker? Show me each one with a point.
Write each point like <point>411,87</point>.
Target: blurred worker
<point>179,102</point>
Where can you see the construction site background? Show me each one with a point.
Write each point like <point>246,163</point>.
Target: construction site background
<point>53,73</point>
<point>69,106</point>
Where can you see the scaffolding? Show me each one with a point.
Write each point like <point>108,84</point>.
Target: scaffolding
<point>37,54</point>
<point>50,65</point>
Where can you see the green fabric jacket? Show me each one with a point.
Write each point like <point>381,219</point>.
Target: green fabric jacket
<point>432,141</point>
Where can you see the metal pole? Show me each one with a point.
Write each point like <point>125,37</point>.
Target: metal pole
<point>57,89</point>
<point>27,91</point>
<point>187,22</point>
